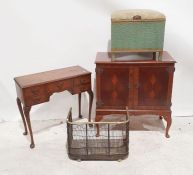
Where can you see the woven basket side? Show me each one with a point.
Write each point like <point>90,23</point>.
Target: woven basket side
<point>137,36</point>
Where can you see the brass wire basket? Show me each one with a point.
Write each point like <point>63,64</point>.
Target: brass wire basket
<point>83,143</point>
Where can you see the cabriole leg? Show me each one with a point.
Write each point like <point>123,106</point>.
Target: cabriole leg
<point>27,116</point>
<point>97,119</point>
<point>22,115</point>
<point>168,119</point>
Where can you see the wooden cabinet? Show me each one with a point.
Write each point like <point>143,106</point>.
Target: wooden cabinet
<point>144,86</point>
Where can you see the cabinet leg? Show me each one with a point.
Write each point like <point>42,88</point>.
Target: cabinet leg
<point>79,105</point>
<point>27,116</point>
<point>90,104</point>
<point>168,119</point>
<point>97,119</point>
<point>22,115</point>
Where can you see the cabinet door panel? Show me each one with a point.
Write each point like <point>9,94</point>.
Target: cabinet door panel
<point>153,86</point>
<point>113,87</point>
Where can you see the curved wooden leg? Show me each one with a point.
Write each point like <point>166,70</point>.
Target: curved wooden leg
<point>168,119</point>
<point>90,104</point>
<point>79,105</point>
<point>27,116</point>
<point>97,119</point>
<point>22,115</point>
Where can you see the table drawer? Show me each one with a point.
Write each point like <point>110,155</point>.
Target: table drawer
<point>82,80</point>
<point>59,86</point>
<point>81,88</point>
<point>34,95</point>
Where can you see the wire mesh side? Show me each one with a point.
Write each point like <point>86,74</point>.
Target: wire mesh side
<point>111,144</point>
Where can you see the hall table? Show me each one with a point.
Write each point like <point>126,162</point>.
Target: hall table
<point>37,88</point>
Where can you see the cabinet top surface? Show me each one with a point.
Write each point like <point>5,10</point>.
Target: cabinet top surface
<point>50,76</point>
<point>132,58</point>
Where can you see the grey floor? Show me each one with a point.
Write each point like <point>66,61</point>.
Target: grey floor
<point>150,152</point>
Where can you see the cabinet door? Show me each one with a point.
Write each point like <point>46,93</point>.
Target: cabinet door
<point>113,84</point>
<point>153,87</point>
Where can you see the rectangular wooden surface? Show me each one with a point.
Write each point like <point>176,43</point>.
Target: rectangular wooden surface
<point>49,76</point>
<point>105,57</point>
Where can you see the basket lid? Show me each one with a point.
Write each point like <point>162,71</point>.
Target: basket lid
<point>137,15</point>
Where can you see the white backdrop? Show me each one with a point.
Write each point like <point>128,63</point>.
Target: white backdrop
<point>41,35</point>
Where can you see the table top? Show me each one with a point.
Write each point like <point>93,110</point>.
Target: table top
<point>50,76</point>
<point>132,58</point>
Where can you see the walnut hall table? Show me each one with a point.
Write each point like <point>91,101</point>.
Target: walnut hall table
<point>37,88</point>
